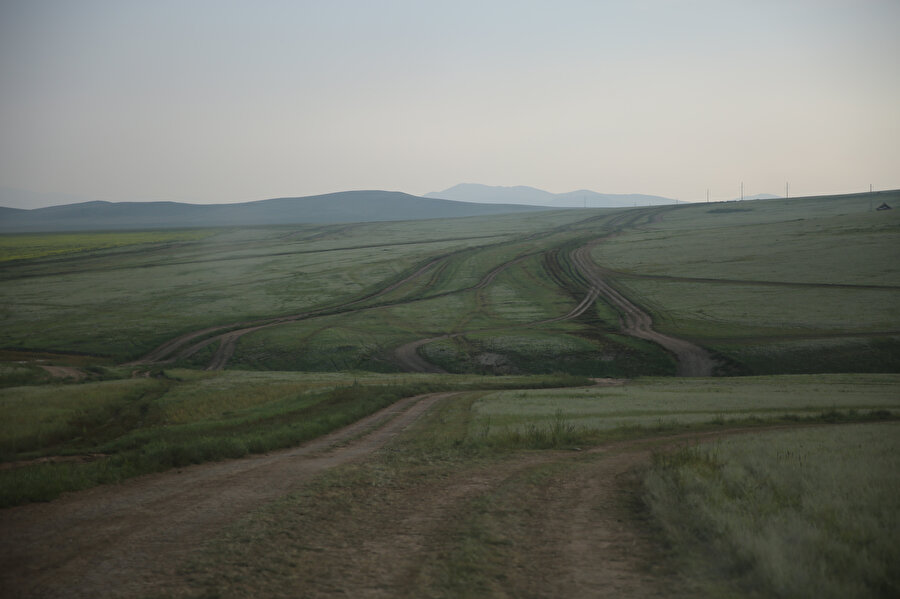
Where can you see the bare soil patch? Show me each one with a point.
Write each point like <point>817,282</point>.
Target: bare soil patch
<point>64,372</point>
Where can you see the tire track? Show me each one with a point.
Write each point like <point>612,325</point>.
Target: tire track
<point>693,360</point>
<point>169,351</point>
<point>408,356</point>
<point>227,342</point>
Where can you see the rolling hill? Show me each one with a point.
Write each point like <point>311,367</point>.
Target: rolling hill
<point>341,207</point>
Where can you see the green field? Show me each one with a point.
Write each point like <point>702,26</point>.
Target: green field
<point>804,513</point>
<point>123,354</point>
<point>665,403</point>
<point>759,287</point>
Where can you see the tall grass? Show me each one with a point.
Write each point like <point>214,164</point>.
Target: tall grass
<point>666,404</point>
<point>805,513</point>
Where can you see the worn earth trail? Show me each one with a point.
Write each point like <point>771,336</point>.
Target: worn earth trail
<point>692,359</point>
<point>121,540</point>
<point>574,535</point>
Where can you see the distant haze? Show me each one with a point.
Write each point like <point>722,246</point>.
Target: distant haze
<point>520,194</point>
<point>222,102</point>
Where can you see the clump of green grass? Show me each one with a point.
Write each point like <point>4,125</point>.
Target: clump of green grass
<point>803,513</point>
<point>559,433</point>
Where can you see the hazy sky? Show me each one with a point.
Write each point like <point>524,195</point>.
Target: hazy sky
<point>224,101</point>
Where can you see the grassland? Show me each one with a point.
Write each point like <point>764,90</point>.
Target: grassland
<point>670,404</point>
<point>806,513</point>
<point>122,304</point>
<point>767,288</point>
<point>316,317</point>
<point>809,285</point>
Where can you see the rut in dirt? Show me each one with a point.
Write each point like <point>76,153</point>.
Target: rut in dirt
<point>181,347</point>
<point>125,540</point>
<point>692,360</point>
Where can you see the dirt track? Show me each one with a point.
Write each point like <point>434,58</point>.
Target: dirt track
<point>574,535</point>
<point>174,348</point>
<point>124,540</point>
<point>692,359</point>
<point>189,344</point>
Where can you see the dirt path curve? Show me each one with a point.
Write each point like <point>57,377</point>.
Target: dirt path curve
<point>175,348</point>
<point>120,540</point>
<point>693,360</point>
<point>407,355</point>
<point>64,372</point>
<point>587,540</point>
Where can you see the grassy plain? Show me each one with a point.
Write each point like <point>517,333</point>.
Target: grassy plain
<point>784,286</point>
<point>767,286</point>
<point>780,286</point>
<point>802,513</point>
<point>122,304</point>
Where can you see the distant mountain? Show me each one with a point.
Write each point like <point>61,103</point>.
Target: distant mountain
<point>342,207</point>
<point>474,192</point>
<point>10,197</point>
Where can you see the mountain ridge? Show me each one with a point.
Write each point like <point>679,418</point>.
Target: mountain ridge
<point>532,196</point>
<point>339,207</point>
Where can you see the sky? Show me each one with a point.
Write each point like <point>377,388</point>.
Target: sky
<point>217,101</point>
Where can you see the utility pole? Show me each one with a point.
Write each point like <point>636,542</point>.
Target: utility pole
<point>707,195</point>
<point>786,194</point>
<point>742,191</point>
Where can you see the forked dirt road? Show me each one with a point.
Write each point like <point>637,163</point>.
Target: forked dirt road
<point>573,533</point>
<point>126,540</point>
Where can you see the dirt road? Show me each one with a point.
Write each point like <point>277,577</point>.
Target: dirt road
<point>693,360</point>
<point>563,524</point>
<point>175,348</point>
<point>123,540</point>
